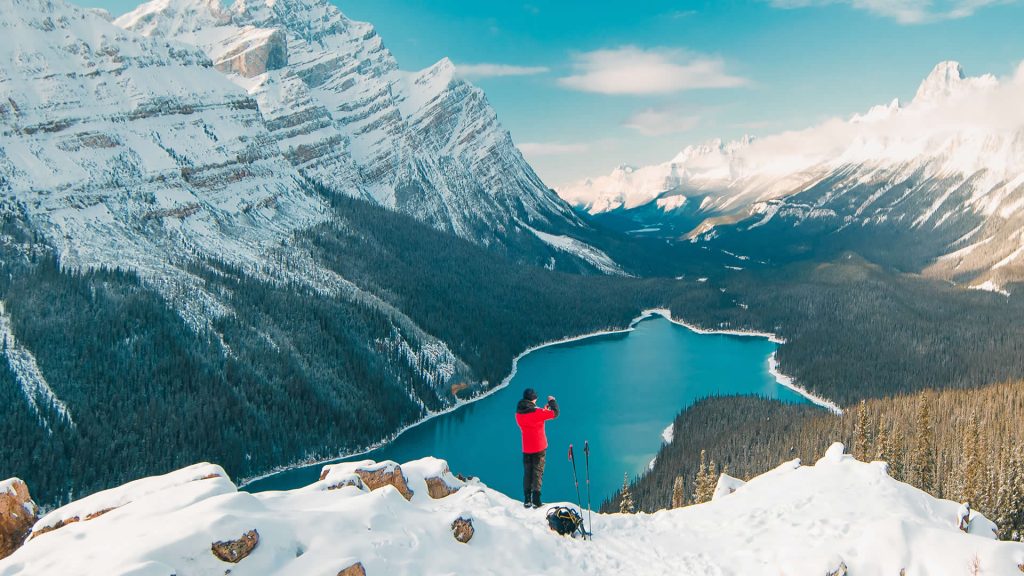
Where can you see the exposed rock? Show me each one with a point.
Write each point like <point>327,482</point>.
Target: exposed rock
<point>54,526</point>
<point>462,529</point>
<point>375,476</point>
<point>17,515</point>
<point>235,551</point>
<point>839,571</point>
<point>354,570</point>
<point>255,54</point>
<point>438,486</point>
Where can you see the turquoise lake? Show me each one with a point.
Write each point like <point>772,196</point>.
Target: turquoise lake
<point>619,391</point>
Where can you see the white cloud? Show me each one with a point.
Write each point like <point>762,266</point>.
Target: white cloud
<point>660,122</point>
<point>497,70</point>
<point>904,11</point>
<point>636,71</point>
<point>542,149</point>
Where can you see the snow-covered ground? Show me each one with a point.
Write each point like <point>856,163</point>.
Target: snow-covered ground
<point>792,520</point>
<point>581,250</point>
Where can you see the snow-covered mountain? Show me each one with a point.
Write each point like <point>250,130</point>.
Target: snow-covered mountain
<point>946,168</point>
<point>837,517</point>
<point>343,113</point>
<point>123,151</point>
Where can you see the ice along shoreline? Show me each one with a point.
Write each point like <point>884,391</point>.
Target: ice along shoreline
<point>780,378</point>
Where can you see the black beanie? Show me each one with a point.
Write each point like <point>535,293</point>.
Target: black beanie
<point>529,394</point>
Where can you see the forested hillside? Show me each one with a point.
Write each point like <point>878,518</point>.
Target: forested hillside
<point>858,330</point>
<point>963,445</point>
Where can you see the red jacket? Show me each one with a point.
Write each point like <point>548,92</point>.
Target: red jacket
<point>531,422</point>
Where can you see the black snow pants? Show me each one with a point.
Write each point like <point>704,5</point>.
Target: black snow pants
<point>533,471</point>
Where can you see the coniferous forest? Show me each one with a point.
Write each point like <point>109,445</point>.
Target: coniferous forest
<point>963,445</point>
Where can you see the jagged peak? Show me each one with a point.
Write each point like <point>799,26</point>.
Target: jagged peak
<point>440,74</point>
<point>308,19</point>
<point>943,79</point>
<point>713,146</point>
<point>948,79</point>
<point>879,112</point>
<point>168,18</point>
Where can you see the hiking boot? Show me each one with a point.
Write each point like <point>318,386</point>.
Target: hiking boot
<point>528,500</point>
<point>535,499</point>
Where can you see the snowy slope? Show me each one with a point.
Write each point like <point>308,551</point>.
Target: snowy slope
<point>125,151</point>
<point>793,520</point>
<point>948,162</point>
<point>426,143</point>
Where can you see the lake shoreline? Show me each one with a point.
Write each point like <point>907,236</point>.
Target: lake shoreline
<point>665,313</point>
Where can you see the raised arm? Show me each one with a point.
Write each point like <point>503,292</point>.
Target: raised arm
<point>553,406</point>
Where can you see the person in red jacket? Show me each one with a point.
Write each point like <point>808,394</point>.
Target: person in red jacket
<point>535,443</point>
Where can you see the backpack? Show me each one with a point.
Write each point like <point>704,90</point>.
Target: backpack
<point>565,521</point>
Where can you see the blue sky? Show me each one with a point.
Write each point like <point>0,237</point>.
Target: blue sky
<point>598,84</point>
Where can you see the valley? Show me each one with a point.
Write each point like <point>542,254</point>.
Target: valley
<point>615,390</point>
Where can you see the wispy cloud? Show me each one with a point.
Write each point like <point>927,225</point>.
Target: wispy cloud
<point>485,70</point>
<point>637,71</point>
<point>904,11</point>
<point>661,122</point>
<point>543,149</point>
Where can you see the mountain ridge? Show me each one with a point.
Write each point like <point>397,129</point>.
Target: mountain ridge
<point>426,143</point>
<point>949,162</point>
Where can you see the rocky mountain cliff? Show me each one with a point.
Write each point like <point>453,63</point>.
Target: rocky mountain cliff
<point>426,143</point>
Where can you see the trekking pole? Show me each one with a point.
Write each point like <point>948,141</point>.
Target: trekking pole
<point>586,458</point>
<point>575,479</point>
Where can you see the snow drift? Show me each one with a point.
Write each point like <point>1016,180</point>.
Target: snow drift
<point>793,520</point>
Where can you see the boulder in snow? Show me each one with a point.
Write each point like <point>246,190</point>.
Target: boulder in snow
<point>963,517</point>
<point>353,570</point>
<point>726,485</point>
<point>835,453</point>
<point>462,529</point>
<point>235,551</point>
<point>17,515</point>
<point>438,487</point>
<point>372,474</point>
<point>440,481</point>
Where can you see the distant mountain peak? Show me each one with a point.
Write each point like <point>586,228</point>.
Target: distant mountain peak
<point>948,79</point>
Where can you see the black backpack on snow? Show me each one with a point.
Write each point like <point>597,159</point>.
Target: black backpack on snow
<point>565,521</point>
